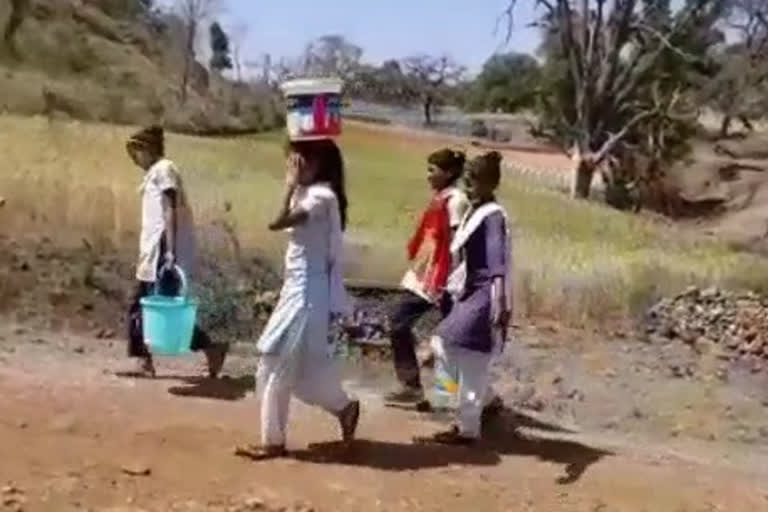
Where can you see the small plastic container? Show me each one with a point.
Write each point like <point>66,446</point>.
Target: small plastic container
<point>313,108</point>
<point>445,393</point>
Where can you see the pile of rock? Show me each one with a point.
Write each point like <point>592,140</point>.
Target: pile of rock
<point>368,323</point>
<point>735,321</point>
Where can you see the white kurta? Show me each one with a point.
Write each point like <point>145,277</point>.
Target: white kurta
<point>295,356</point>
<point>162,177</point>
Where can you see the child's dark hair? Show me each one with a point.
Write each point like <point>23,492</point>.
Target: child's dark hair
<point>330,168</point>
<point>449,160</point>
<point>151,138</point>
<point>489,165</point>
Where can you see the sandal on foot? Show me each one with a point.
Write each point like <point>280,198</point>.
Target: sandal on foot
<point>450,437</point>
<point>424,406</point>
<point>146,369</point>
<point>494,408</point>
<point>258,452</point>
<point>348,419</point>
<point>216,355</point>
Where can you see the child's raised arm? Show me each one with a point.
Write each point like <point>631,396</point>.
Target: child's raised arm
<point>290,216</point>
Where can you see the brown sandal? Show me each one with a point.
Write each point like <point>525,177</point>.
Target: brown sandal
<point>147,368</point>
<point>257,452</point>
<point>450,437</point>
<point>348,419</point>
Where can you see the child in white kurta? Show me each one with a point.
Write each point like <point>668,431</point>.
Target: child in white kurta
<point>167,239</point>
<point>294,347</point>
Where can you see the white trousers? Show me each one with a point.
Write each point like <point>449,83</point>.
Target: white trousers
<point>310,376</point>
<point>474,383</point>
<point>490,393</point>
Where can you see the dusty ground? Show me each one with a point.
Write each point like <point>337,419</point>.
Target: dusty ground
<point>72,432</point>
<point>659,427</point>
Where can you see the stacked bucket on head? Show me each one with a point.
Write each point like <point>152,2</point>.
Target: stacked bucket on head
<point>313,108</point>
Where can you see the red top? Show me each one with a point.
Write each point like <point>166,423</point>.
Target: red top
<point>435,230</point>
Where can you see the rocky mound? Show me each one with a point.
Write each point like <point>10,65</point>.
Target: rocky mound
<point>120,62</point>
<point>737,322</point>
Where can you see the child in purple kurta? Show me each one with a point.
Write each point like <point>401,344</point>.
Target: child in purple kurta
<point>476,327</point>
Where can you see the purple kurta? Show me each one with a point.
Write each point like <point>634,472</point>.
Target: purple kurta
<point>469,323</point>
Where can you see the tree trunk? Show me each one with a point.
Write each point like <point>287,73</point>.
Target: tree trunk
<point>189,57</point>
<point>724,126</point>
<point>581,179</point>
<point>16,18</point>
<point>747,124</point>
<point>428,110</point>
<point>238,68</point>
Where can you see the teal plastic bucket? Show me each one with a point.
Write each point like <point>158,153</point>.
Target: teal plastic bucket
<point>169,322</point>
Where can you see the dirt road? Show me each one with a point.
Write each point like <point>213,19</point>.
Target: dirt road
<point>74,435</point>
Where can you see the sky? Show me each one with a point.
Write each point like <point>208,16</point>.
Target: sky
<point>463,29</point>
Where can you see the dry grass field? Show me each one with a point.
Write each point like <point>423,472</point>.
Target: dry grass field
<point>579,262</point>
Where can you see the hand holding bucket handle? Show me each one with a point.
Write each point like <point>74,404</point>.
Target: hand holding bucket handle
<point>183,287</point>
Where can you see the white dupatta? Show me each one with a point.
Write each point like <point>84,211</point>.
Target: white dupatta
<point>472,220</point>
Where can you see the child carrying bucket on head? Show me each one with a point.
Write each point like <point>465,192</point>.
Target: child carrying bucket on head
<point>429,252</point>
<point>475,329</point>
<point>166,240</point>
<point>295,360</point>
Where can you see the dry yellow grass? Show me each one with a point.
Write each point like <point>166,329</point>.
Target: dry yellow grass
<point>578,261</point>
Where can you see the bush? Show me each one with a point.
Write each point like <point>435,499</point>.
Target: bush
<point>81,56</point>
<point>478,128</point>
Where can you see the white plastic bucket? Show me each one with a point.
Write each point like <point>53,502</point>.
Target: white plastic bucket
<point>313,108</point>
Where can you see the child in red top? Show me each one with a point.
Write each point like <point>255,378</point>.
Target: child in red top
<point>429,252</point>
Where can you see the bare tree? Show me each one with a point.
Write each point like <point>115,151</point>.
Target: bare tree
<point>624,62</point>
<point>386,84</point>
<point>741,88</point>
<point>430,76</point>
<point>194,14</point>
<point>331,55</point>
<point>238,34</point>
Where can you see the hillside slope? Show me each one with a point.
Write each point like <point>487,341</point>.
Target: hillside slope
<point>105,60</point>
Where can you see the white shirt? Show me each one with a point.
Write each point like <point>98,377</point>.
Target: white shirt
<point>458,204</point>
<point>160,178</point>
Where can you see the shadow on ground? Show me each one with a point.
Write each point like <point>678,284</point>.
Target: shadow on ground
<point>390,456</point>
<point>501,437</point>
<point>225,388</point>
<point>575,457</point>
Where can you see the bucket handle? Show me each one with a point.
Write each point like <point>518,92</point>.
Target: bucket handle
<point>182,277</point>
